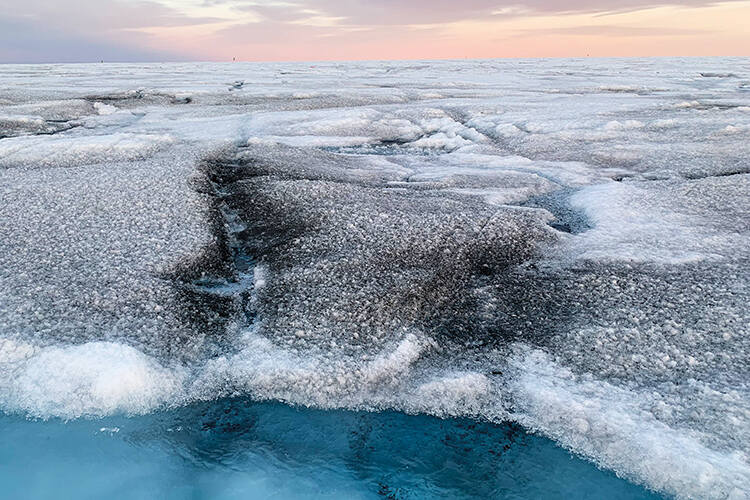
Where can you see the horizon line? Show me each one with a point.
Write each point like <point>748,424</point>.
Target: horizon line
<point>321,61</point>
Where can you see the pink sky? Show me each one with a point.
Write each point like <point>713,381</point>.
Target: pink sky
<point>257,30</point>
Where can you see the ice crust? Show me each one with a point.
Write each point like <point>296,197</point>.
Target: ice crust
<point>561,243</point>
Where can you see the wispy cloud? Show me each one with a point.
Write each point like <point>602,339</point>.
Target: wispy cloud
<point>611,31</point>
<point>400,12</point>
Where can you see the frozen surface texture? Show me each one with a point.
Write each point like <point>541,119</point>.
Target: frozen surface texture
<point>560,244</point>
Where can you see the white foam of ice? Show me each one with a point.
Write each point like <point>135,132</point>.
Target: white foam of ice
<point>736,129</point>
<point>61,110</point>
<point>389,380</point>
<point>624,125</point>
<point>91,379</point>
<point>611,426</point>
<point>270,372</point>
<point>104,109</point>
<point>22,120</point>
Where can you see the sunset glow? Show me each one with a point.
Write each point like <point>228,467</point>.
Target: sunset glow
<point>220,30</point>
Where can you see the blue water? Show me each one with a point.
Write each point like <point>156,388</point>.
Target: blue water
<point>240,449</point>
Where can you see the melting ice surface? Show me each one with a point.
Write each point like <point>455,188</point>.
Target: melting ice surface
<point>405,280</point>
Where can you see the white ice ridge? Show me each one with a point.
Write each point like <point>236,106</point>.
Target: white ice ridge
<point>616,428</point>
<point>420,128</point>
<point>664,221</point>
<point>613,426</point>
<point>390,379</point>
<point>71,151</point>
<point>97,379</point>
<point>593,211</point>
<point>88,380</point>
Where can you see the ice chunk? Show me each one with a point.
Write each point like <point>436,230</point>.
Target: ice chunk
<point>609,425</point>
<point>69,151</point>
<point>665,222</point>
<point>92,379</point>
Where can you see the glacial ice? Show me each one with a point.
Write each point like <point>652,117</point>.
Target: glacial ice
<point>562,244</point>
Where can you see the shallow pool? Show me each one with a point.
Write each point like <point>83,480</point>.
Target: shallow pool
<point>241,449</point>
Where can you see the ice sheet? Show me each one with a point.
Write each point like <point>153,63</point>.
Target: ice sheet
<point>559,243</point>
